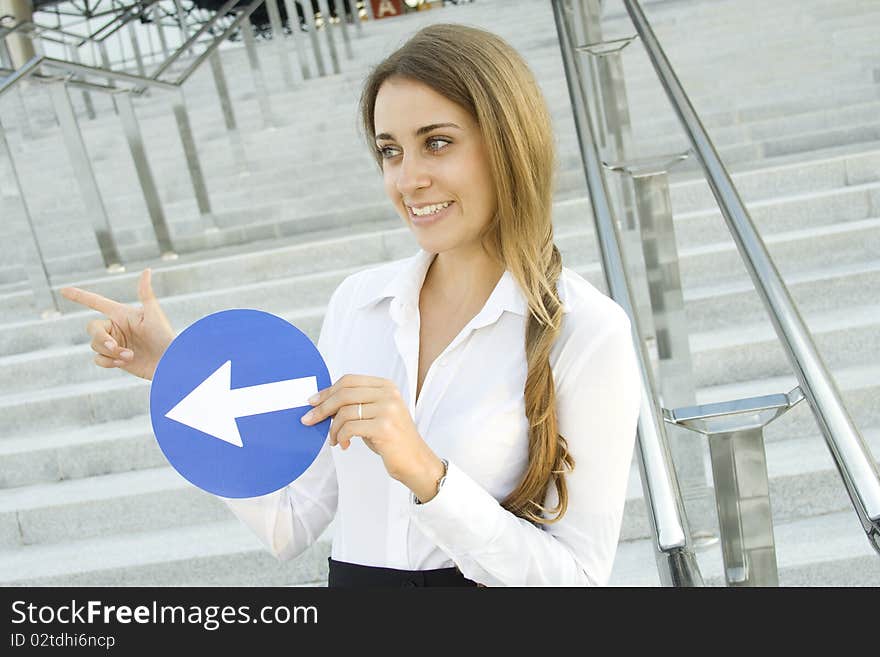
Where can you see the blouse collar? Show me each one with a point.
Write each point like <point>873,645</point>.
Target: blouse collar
<point>403,285</point>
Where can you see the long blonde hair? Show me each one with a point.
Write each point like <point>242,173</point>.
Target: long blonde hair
<point>483,74</point>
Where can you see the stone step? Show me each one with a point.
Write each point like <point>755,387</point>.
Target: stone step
<point>804,481</point>
<point>832,289</point>
<point>688,195</point>
<point>304,194</point>
<point>850,203</point>
<point>222,156</point>
<point>34,456</point>
<point>223,553</point>
<point>63,388</point>
<point>743,352</point>
<point>99,449</point>
<point>32,516</point>
<point>783,176</point>
<point>826,550</point>
<point>862,160</point>
<point>779,213</point>
<point>820,296</point>
<point>712,264</point>
<point>338,112</point>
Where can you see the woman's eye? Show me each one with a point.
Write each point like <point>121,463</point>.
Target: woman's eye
<point>385,151</point>
<point>434,144</point>
<point>438,140</point>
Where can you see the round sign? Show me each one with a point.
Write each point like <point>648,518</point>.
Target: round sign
<point>227,398</point>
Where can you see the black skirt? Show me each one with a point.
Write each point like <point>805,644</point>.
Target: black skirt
<point>352,575</point>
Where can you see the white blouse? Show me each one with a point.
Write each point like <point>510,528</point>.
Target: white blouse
<point>470,411</point>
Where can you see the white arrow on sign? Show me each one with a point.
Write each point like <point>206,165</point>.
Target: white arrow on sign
<point>213,405</point>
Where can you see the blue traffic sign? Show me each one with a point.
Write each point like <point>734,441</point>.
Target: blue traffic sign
<point>227,398</point>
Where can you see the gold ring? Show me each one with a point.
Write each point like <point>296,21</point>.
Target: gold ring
<point>360,411</point>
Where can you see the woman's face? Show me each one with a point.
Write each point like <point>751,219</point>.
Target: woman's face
<point>435,166</point>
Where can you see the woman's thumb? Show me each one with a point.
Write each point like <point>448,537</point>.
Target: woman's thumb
<point>145,288</point>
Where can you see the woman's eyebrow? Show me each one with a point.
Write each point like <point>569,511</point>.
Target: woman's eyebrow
<point>423,130</point>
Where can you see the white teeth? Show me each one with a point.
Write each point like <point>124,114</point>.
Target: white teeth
<point>429,209</point>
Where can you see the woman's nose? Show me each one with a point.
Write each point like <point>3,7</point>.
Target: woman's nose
<point>412,175</point>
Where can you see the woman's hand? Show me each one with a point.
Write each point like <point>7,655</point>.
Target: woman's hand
<point>386,427</point>
<point>132,339</point>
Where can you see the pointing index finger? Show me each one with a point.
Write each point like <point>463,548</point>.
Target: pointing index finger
<point>112,309</point>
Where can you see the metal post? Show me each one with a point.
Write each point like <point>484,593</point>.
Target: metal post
<point>676,562</point>
<point>24,116</point>
<point>609,105</point>
<point>589,30</point>
<point>612,95</point>
<point>145,175</point>
<point>222,90</point>
<point>82,168</point>
<point>157,19</point>
<point>656,236</point>
<point>87,97</point>
<point>649,243</point>
<point>92,46</point>
<point>118,37</point>
<point>247,35</point>
<point>848,448</point>
<point>278,41</point>
<point>328,28</point>
<point>356,18</point>
<point>742,489</point>
<point>34,262</point>
<point>293,24</point>
<point>606,78</point>
<point>192,157</point>
<point>181,20</point>
<point>136,48</point>
<point>343,23</point>
<point>151,50</point>
<point>313,36</point>
<point>27,130</point>
<point>105,61</point>
<point>6,56</point>
<point>631,242</point>
<point>608,93</point>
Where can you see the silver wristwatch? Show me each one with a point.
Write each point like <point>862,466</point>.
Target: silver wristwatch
<point>440,482</point>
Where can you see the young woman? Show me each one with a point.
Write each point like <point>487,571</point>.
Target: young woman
<point>485,397</point>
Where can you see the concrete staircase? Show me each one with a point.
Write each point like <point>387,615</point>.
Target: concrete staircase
<point>790,92</point>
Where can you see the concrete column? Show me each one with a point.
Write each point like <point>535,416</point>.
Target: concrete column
<point>20,47</point>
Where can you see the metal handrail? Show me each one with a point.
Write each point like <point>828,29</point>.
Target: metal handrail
<point>220,13</point>
<point>21,25</point>
<point>124,18</point>
<point>242,16</point>
<point>848,449</point>
<point>25,70</point>
<point>152,81</point>
<point>666,515</point>
<point>31,72</point>
<point>138,82</point>
<point>133,84</point>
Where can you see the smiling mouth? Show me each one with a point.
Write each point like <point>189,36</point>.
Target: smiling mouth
<point>428,210</point>
<point>429,213</point>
